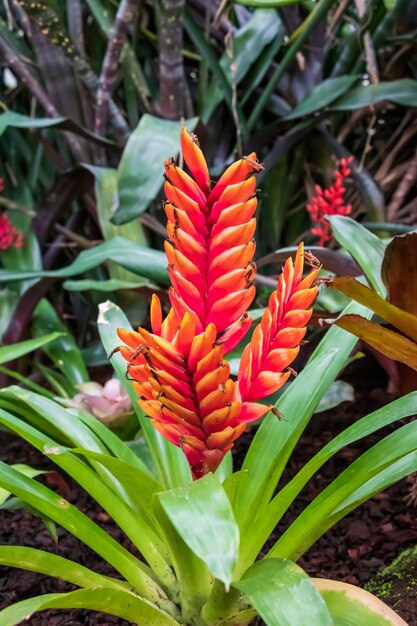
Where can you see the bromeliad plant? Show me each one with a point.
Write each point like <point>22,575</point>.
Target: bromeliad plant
<point>180,373</point>
<point>198,526</point>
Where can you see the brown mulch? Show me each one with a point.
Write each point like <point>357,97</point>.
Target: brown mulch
<point>354,551</point>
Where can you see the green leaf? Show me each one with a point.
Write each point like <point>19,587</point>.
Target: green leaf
<point>403,92</point>
<point>17,120</point>
<point>139,260</point>
<point>107,198</point>
<point>51,418</point>
<point>138,483</point>
<point>338,392</point>
<point>263,27</point>
<point>401,319</point>
<point>24,469</point>
<point>62,512</point>
<point>169,460</point>
<point>403,407</point>
<point>367,249</point>
<point>390,343</point>
<point>64,352</point>
<point>108,493</point>
<point>54,565</point>
<point>210,531</point>
<point>350,605</point>
<point>385,463</point>
<point>322,95</point>
<point>140,170</point>
<point>111,285</point>
<point>16,350</point>
<point>283,594</point>
<point>274,441</point>
<point>267,4</point>
<point>117,602</point>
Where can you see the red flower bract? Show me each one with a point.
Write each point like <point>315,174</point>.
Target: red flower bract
<point>180,374</point>
<point>10,237</point>
<point>329,202</point>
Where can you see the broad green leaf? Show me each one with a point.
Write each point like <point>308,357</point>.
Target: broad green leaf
<point>338,392</point>
<point>62,512</point>
<point>54,565</point>
<point>206,50</point>
<point>117,602</point>
<point>111,285</point>
<point>17,120</point>
<point>139,260</point>
<point>322,95</point>
<point>107,200</point>
<point>109,494</point>
<point>390,343</point>
<point>387,461</point>
<point>51,418</point>
<point>401,319</point>
<point>142,164</point>
<point>283,594</point>
<point>24,469</point>
<point>403,407</point>
<point>169,460</point>
<point>138,483</point>
<point>267,4</point>
<point>403,92</point>
<point>367,249</point>
<point>202,516</point>
<point>113,443</point>
<point>262,27</point>
<point>64,352</point>
<point>350,605</point>
<point>16,350</point>
<point>275,440</point>
<point>194,579</point>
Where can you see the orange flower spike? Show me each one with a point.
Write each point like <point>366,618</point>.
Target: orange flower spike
<point>156,315</point>
<point>275,341</point>
<point>210,238</point>
<point>179,371</point>
<point>185,387</point>
<point>195,160</point>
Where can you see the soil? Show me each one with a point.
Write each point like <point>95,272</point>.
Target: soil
<point>354,551</point>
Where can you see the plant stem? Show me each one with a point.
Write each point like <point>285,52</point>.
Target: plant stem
<point>303,33</point>
<point>171,65</point>
<point>220,604</point>
<point>125,15</point>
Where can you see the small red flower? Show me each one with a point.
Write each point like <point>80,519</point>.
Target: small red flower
<point>10,237</point>
<point>329,202</point>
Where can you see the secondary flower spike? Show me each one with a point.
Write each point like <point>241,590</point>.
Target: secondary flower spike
<point>329,202</point>
<point>179,369</point>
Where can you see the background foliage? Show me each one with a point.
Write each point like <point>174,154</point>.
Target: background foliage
<point>94,93</point>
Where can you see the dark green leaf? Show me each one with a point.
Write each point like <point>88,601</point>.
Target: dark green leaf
<point>16,350</point>
<point>322,95</point>
<point>139,260</point>
<point>403,92</point>
<point>142,165</point>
